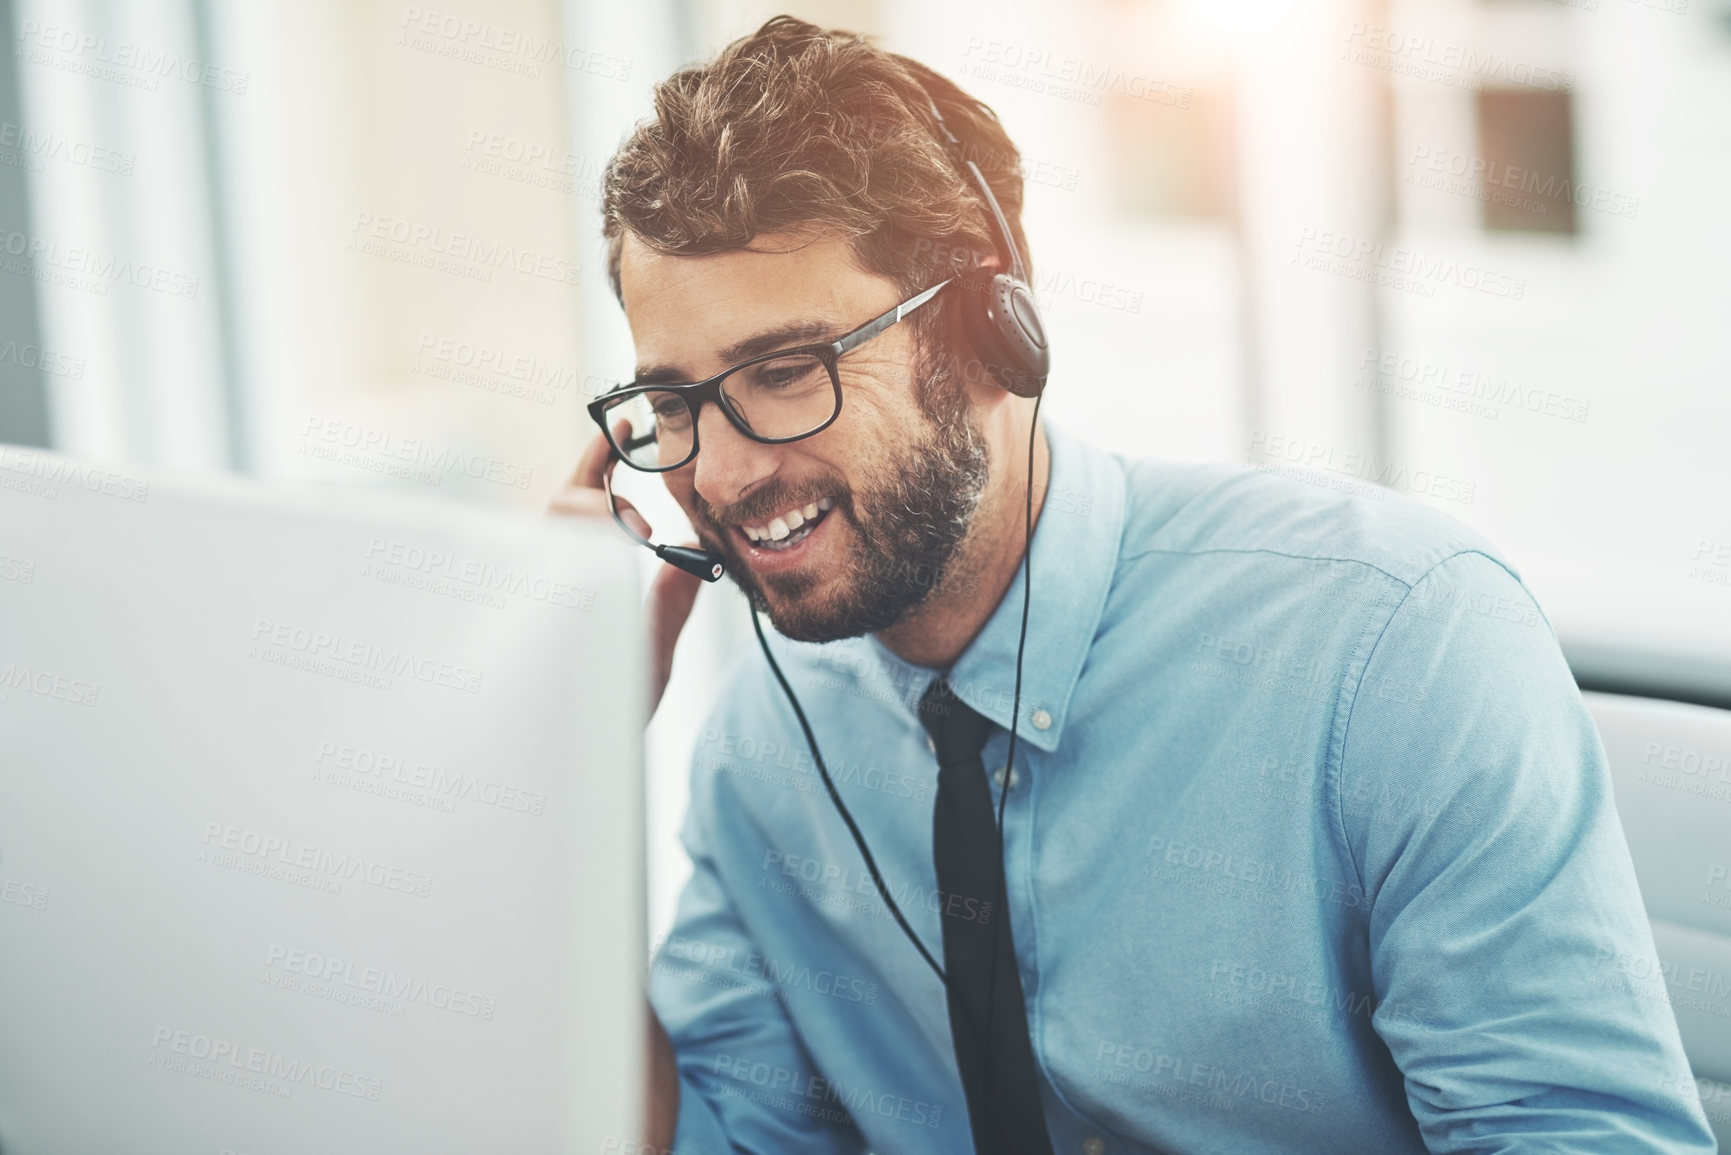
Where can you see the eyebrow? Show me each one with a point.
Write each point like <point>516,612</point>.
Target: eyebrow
<point>801,331</point>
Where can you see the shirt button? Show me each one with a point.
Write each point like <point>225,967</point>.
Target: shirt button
<point>1042,720</point>
<point>1093,1146</point>
<point>998,777</point>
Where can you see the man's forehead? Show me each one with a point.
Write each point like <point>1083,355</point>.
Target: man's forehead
<point>768,261</point>
<point>687,309</point>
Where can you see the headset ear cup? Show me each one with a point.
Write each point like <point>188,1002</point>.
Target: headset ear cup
<point>983,337</point>
<point>1007,323</point>
<point>1003,326</point>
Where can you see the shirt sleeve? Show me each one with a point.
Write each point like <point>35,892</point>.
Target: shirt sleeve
<point>746,1081</point>
<point>1476,804</point>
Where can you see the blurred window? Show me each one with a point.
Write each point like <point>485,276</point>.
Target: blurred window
<point>1526,141</point>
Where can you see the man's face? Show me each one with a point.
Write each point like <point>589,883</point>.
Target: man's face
<point>894,487</point>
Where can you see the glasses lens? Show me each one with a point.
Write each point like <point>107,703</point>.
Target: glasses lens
<point>784,397</point>
<point>661,428</point>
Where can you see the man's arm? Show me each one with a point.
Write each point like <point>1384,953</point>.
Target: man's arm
<point>661,1098</point>
<point>1477,806</point>
<point>745,1081</point>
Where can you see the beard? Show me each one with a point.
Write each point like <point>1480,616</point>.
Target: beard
<point>910,513</point>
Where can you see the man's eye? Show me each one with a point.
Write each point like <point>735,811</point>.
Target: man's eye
<point>786,374</point>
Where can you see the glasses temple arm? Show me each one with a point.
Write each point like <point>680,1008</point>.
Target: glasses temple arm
<point>878,324</point>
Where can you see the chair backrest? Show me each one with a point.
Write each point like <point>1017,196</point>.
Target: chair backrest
<point>1671,769</point>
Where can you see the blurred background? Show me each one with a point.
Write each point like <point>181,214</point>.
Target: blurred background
<point>1473,251</point>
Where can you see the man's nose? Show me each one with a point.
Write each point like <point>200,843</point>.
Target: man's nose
<point>729,464</point>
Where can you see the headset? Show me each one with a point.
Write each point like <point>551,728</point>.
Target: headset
<point>1003,324</point>
<point>694,560</point>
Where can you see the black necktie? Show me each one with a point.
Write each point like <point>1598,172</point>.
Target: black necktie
<point>996,1060</point>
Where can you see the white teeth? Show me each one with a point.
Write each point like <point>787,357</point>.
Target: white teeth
<point>780,527</point>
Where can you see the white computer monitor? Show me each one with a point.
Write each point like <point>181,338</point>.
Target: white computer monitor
<point>320,822</point>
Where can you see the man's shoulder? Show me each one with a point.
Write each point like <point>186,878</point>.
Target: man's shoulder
<point>1176,509</point>
<point>751,709</point>
<point>748,694</point>
<point>750,760</point>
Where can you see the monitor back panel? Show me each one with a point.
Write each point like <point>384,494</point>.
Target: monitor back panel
<point>320,824</point>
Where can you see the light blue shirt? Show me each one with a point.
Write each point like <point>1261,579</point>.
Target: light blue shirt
<point>1310,847</point>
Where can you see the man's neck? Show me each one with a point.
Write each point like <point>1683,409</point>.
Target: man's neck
<point>937,633</point>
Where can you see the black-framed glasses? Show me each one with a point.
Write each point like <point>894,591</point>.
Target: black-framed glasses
<point>774,398</point>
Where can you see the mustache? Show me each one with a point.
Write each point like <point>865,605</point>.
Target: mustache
<point>765,504</point>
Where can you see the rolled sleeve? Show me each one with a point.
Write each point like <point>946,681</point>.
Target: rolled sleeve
<point>1476,804</point>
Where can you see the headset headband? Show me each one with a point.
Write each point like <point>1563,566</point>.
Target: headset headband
<point>1000,223</point>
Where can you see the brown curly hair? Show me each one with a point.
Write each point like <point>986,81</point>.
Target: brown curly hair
<point>795,125</point>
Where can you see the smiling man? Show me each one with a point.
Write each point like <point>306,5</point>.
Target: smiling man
<point>1308,844</point>
<point>903,467</point>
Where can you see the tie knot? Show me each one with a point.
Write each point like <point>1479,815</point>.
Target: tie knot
<point>957,730</point>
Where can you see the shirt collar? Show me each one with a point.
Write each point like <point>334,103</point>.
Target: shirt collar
<point>1075,555</point>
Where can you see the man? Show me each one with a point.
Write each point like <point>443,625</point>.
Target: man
<point>1308,844</point>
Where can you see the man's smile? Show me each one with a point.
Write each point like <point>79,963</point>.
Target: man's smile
<point>787,528</point>
<point>766,553</point>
